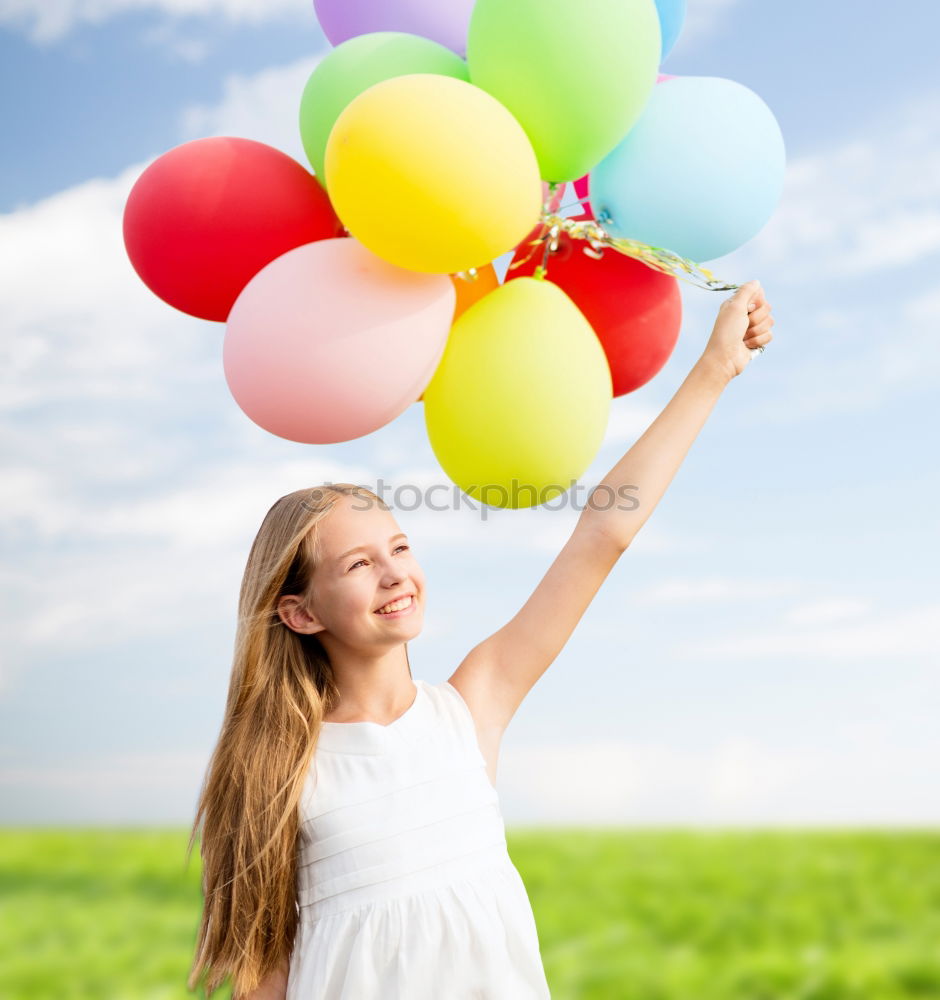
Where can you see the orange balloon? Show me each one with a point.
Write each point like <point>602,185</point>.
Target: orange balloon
<point>470,292</point>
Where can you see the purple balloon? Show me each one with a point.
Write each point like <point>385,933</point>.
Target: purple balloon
<point>443,21</point>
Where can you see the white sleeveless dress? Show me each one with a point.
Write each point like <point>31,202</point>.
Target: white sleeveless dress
<point>405,886</point>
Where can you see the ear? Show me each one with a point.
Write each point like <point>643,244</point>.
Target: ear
<point>296,617</point>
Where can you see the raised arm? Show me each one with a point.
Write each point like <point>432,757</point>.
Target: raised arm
<point>499,672</point>
<point>647,469</point>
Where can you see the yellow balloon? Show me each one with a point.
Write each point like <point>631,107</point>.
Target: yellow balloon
<point>518,405</point>
<point>432,173</point>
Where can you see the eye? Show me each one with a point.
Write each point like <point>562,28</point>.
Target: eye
<point>356,563</point>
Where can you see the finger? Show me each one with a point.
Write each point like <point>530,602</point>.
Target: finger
<point>758,330</point>
<point>758,300</point>
<point>750,290</point>
<point>759,319</point>
<point>760,340</point>
<point>759,312</point>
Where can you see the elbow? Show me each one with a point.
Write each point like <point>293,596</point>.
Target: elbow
<point>609,532</point>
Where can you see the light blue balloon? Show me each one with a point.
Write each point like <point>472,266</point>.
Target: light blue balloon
<point>700,172</point>
<point>671,19</point>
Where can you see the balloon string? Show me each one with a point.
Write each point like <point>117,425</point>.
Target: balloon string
<point>541,240</point>
<point>573,204</point>
<point>598,240</point>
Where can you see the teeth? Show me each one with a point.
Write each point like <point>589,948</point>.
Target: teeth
<point>396,606</point>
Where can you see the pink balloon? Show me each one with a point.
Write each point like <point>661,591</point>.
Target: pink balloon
<point>665,76</point>
<point>329,342</point>
<point>553,200</point>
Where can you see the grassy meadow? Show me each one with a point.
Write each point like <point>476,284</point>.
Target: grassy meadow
<point>97,914</point>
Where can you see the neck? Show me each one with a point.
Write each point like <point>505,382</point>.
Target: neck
<point>374,689</point>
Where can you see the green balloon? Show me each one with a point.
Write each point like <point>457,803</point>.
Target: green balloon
<point>576,75</point>
<point>356,65</point>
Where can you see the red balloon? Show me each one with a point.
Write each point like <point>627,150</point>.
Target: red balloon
<point>635,310</point>
<point>205,217</point>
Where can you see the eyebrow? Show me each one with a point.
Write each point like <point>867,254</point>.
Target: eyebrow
<point>362,548</point>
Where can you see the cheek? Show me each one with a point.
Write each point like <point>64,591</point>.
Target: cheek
<point>357,591</point>
<point>342,598</point>
<point>417,575</point>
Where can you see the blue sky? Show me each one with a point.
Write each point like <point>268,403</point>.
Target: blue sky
<point>766,652</point>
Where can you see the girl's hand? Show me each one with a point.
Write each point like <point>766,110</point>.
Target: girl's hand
<point>744,322</point>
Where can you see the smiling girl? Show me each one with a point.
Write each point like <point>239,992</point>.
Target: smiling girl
<point>352,841</point>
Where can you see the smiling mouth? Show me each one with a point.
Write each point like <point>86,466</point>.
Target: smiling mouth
<point>402,604</point>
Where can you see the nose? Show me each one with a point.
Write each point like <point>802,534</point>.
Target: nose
<point>392,574</point>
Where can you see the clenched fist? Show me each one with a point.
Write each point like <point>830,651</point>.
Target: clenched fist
<point>743,323</point>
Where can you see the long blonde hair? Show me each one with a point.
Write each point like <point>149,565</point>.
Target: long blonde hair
<point>281,687</point>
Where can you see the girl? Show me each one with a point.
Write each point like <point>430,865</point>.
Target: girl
<point>352,842</point>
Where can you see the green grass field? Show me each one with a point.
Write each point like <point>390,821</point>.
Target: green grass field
<point>622,915</point>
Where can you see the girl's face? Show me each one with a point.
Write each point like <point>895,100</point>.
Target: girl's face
<point>365,563</point>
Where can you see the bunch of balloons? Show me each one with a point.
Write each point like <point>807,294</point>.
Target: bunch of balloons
<point>441,137</point>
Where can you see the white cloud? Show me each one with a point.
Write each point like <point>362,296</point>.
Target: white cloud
<point>109,773</point>
<point>148,558</point>
<point>217,509</point>
<point>858,206</point>
<point>79,322</point>
<point>867,774</point>
<point>681,591</point>
<point>50,20</point>
<point>878,353</point>
<point>737,781</point>
<point>175,38</point>
<point>264,106</point>
<point>892,634</point>
<point>628,420</point>
<point>830,610</point>
<point>129,787</point>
